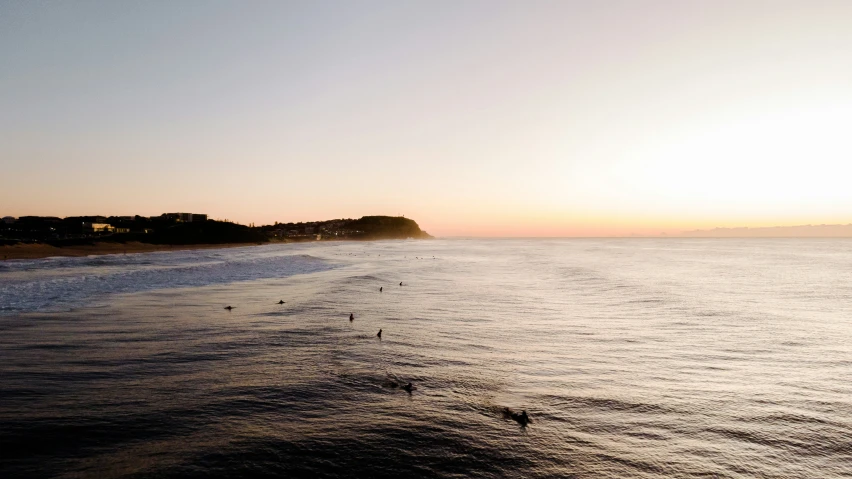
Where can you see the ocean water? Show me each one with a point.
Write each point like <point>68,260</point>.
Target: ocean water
<point>646,358</point>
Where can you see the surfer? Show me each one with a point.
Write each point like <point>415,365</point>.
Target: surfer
<point>523,418</point>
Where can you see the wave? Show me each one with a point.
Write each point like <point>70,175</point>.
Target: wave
<point>56,286</point>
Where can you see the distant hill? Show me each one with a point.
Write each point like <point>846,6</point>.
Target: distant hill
<point>365,228</point>
<point>802,231</point>
<point>387,227</point>
<point>168,230</point>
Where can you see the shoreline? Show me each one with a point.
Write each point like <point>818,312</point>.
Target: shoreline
<point>41,251</point>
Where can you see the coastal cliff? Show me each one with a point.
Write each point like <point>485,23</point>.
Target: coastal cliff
<point>387,227</point>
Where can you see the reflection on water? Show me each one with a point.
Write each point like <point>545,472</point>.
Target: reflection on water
<point>634,358</point>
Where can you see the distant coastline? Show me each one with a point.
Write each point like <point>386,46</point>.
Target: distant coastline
<point>43,237</point>
<point>800,231</point>
<point>41,250</point>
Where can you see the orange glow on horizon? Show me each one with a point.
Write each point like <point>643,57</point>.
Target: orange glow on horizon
<point>567,119</point>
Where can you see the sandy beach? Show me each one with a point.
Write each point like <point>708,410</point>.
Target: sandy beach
<point>36,251</point>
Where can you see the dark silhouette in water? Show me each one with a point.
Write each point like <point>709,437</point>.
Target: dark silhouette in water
<point>380,334</point>
<point>281,302</point>
<point>523,419</point>
<point>380,288</point>
<point>351,316</point>
<point>393,385</point>
<point>400,283</point>
<point>229,308</point>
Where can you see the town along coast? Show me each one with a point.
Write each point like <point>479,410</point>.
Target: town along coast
<point>42,237</point>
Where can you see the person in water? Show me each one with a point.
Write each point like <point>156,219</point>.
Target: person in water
<point>380,288</point>
<point>229,308</point>
<point>380,334</point>
<point>281,302</point>
<point>409,387</point>
<point>351,316</point>
<point>400,283</point>
<point>523,419</point>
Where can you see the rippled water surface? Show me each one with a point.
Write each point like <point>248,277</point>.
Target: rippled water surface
<point>635,358</point>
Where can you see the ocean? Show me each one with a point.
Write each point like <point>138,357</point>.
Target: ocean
<point>634,358</point>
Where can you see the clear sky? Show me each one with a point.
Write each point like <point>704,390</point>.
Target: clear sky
<point>522,118</point>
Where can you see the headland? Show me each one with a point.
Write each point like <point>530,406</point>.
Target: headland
<point>32,237</point>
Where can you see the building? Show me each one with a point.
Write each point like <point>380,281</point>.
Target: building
<point>185,217</point>
<point>8,219</point>
<point>121,230</point>
<point>97,228</point>
<point>177,217</point>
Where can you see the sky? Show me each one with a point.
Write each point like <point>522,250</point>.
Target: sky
<point>475,118</point>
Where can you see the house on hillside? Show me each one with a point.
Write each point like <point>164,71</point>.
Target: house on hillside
<point>97,228</point>
<point>185,217</point>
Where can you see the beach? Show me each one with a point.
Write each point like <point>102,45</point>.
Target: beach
<point>41,250</point>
